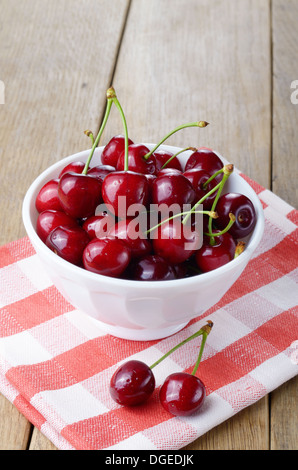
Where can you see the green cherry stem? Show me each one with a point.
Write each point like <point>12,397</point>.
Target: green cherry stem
<point>103,125</point>
<point>213,215</point>
<point>226,229</point>
<point>204,338</point>
<point>118,105</point>
<point>183,126</point>
<point>227,171</point>
<point>176,155</point>
<point>89,134</point>
<point>205,330</point>
<point>193,209</point>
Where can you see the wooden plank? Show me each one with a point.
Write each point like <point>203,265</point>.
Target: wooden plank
<point>202,60</point>
<point>56,61</point>
<point>285,109</point>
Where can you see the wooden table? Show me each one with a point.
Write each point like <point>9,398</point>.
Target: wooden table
<point>229,62</point>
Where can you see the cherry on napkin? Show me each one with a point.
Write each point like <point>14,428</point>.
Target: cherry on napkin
<point>56,362</point>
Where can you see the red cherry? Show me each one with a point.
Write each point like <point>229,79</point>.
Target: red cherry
<point>198,178</point>
<point>74,167</point>
<point>79,194</point>
<point>172,189</point>
<point>182,394</point>
<point>151,268</point>
<point>244,211</point>
<point>207,160</point>
<point>106,256</point>
<point>113,149</point>
<point>129,231</point>
<point>175,242</point>
<point>122,189</point>
<point>47,198</point>
<point>161,157</point>
<point>100,171</point>
<point>68,243</point>
<point>136,160</point>
<point>210,257</point>
<point>48,220</point>
<point>133,383</point>
<point>98,226</point>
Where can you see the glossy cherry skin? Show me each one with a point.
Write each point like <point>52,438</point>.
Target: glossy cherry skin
<point>79,194</point>
<point>205,159</point>
<point>47,198</point>
<point>98,226</point>
<point>48,220</point>
<point>129,231</point>
<point>106,256</point>
<point>210,257</point>
<point>152,268</point>
<point>113,149</point>
<point>198,178</point>
<point>68,243</point>
<point>122,189</point>
<point>74,167</point>
<point>132,384</point>
<point>244,211</point>
<point>182,394</point>
<point>161,157</point>
<point>136,160</point>
<point>101,171</point>
<point>175,242</point>
<point>172,189</point>
<point>169,171</point>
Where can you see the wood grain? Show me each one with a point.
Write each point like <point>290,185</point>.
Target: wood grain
<point>177,61</point>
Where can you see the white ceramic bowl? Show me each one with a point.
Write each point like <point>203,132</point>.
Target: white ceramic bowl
<point>138,310</point>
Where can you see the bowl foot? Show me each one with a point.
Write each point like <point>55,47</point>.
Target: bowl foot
<point>140,334</point>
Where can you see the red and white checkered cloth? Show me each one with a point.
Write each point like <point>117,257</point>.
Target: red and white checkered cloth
<point>56,363</point>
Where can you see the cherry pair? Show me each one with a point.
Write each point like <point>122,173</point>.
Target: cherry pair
<point>181,394</point>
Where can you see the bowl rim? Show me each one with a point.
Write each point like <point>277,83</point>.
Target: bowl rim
<point>219,272</point>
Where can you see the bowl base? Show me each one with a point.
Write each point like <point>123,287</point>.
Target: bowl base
<point>139,335</point>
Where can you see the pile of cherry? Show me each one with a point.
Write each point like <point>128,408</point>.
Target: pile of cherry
<point>71,223</point>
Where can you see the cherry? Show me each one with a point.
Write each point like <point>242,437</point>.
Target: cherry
<point>98,226</point>
<point>74,167</point>
<point>100,171</point>
<point>132,383</point>
<point>198,178</point>
<point>122,189</point>
<point>210,257</point>
<point>171,189</point>
<point>244,211</point>
<point>136,161</point>
<point>129,231</point>
<point>79,194</point>
<point>113,149</point>
<point>162,157</point>
<point>182,394</point>
<point>48,220</point>
<point>47,198</point>
<point>175,242</point>
<point>68,243</point>
<point>205,159</point>
<point>152,268</point>
<point>107,256</point>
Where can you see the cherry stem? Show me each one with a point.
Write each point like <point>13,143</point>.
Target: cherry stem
<point>227,171</point>
<point>204,338</point>
<point>176,155</point>
<point>239,249</point>
<point>212,177</point>
<point>213,215</point>
<point>103,125</point>
<point>205,330</point>
<point>117,103</point>
<point>90,134</point>
<point>183,126</point>
<point>193,209</point>
<point>226,229</point>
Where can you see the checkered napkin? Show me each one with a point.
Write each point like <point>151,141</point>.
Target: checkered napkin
<point>56,363</point>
